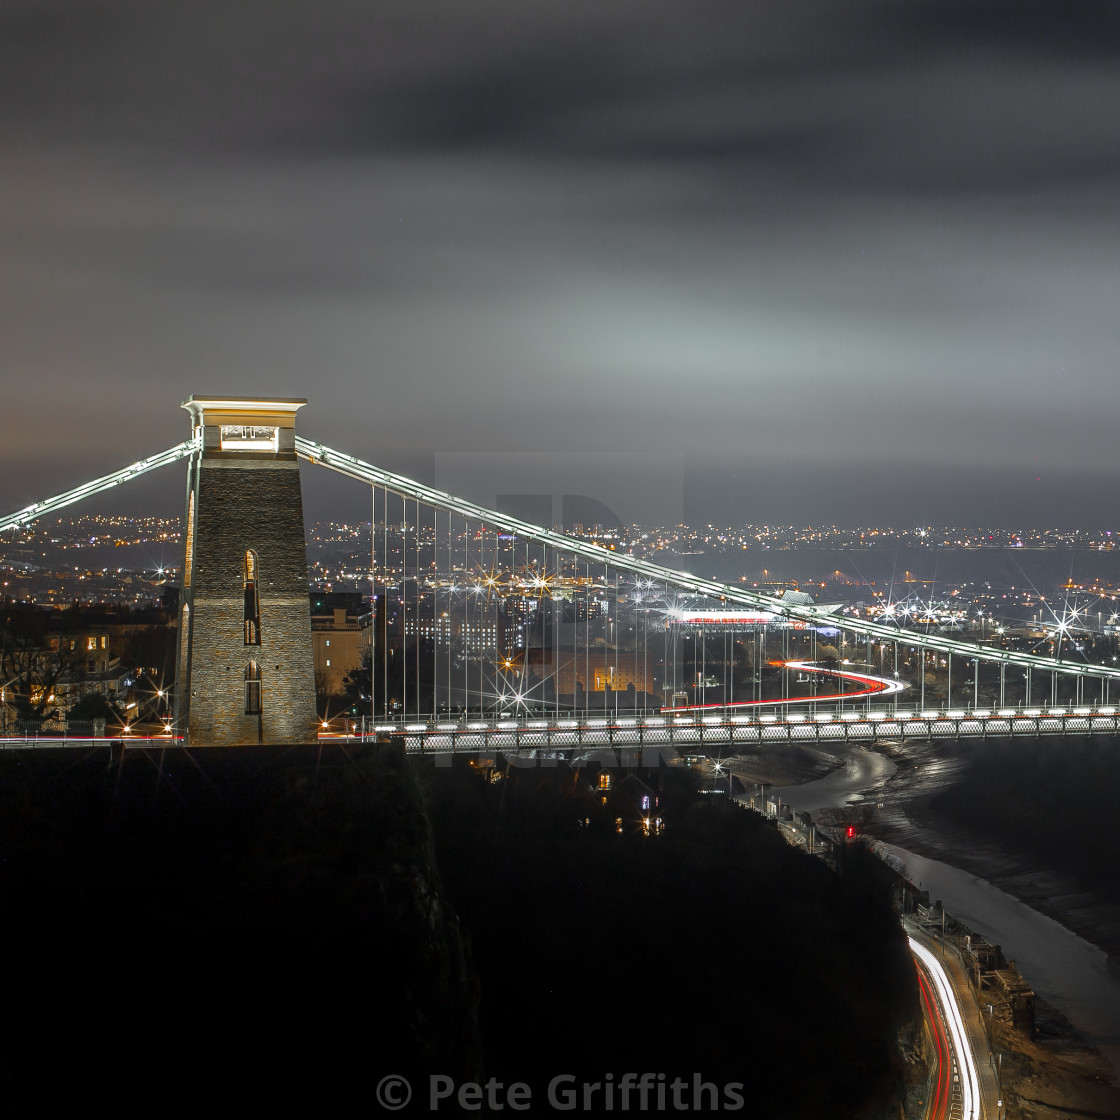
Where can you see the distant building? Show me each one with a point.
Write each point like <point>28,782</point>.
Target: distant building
<point>575,669</point>
<point>340,634</point>
<point>113,682</point>
<point>88,647</point>
<point>473,636</point>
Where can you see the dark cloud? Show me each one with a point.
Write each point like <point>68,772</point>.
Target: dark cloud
<point>1078,29</point>
<point>805,232</point>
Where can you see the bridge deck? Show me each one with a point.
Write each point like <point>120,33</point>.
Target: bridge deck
<point>696,734</point>
<point>574,732</point>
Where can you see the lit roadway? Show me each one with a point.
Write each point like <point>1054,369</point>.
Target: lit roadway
<point>962,1086</point>
<point>941,1086</point>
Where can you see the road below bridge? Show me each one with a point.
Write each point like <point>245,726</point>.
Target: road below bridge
<point>1065,970</point>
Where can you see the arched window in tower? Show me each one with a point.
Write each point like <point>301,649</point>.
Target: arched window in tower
<point>184,635</point>
<point>188,551</point>
<point>252,600</point>
<point>252,689</point>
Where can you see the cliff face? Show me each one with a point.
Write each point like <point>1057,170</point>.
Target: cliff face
<point>712,949</point>
<point>251,922</point>
<point>285,927</point>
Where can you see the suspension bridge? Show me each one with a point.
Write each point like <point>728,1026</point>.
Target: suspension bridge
<point>492,634</point>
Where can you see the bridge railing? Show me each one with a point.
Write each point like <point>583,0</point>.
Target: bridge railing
<point>694,732</point>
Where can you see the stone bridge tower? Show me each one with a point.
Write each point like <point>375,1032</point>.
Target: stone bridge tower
<point>245,667</point>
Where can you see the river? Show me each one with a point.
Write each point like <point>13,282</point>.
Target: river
<point>1064,969</point>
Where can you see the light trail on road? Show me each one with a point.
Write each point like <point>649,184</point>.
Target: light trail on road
<point>872,685</point>
<point>970,1083</point>
<point>938,1104</point>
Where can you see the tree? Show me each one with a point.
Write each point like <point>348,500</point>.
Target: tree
<point>356,686</point>
<point>389,682</point>
<point>32,659</point>
<point>95,705</point>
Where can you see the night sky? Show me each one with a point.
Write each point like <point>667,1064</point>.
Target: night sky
<point>807,260</point>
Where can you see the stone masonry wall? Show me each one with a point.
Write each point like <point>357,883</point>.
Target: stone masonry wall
<point>250,503</point>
